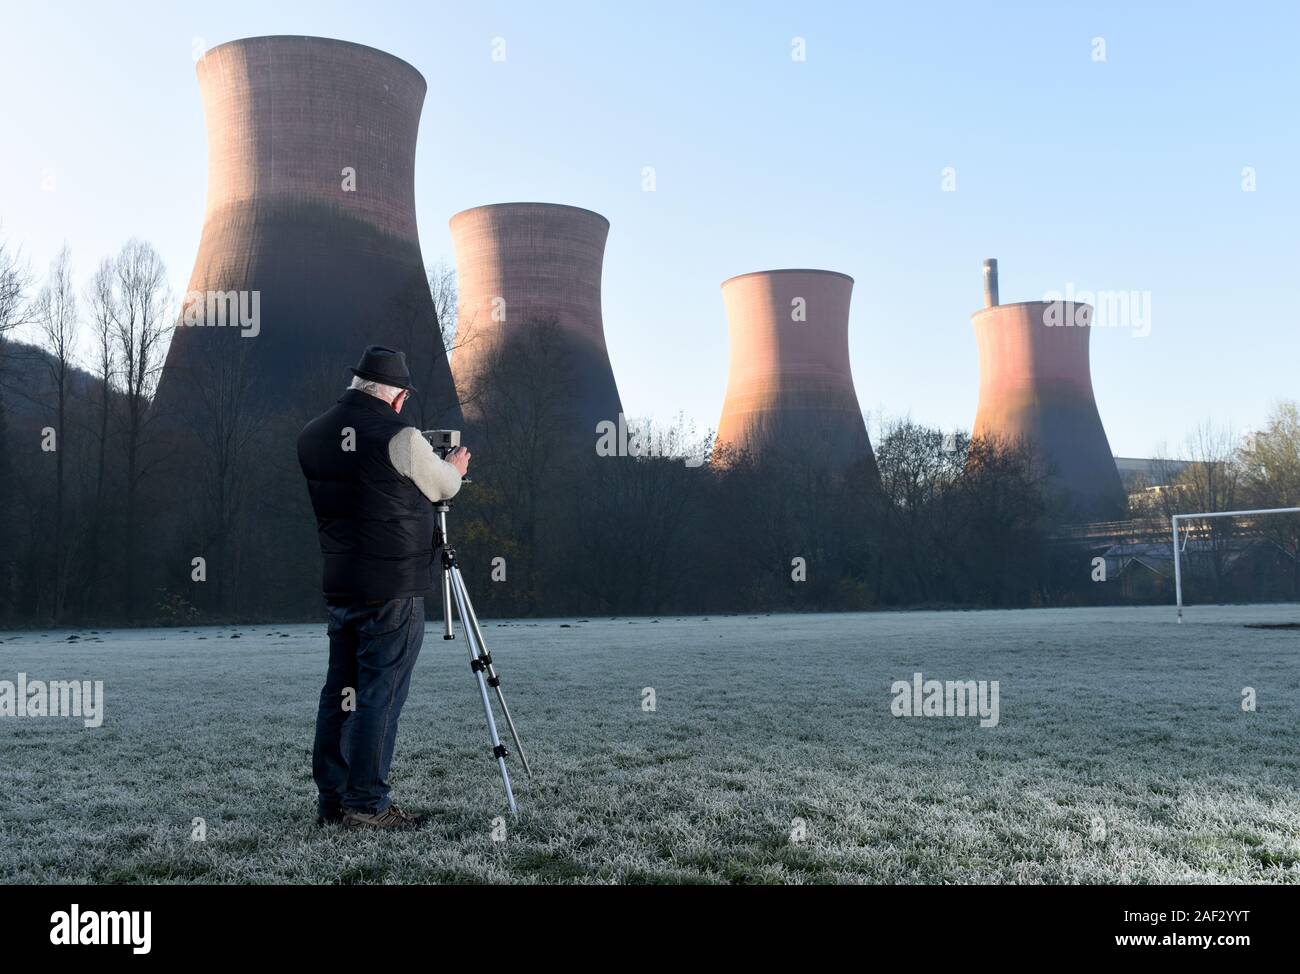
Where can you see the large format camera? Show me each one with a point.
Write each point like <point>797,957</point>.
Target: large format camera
<point>442,441</point>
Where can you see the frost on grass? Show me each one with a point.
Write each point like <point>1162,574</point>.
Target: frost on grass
<point>1122,755</point>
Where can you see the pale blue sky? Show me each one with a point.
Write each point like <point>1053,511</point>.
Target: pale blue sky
<point>1122,175</point>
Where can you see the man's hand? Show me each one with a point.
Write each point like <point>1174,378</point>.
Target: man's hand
<point>459,458</point>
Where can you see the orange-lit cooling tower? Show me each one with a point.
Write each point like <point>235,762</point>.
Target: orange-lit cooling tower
<point>525,265</point>
<point>790,386</point>
<point>310,208</point>
<point>1036,386</point>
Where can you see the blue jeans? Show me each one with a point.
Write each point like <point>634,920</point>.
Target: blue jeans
<point>373,649</point>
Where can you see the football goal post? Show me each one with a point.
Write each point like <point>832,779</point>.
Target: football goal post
<point>1178,565</point>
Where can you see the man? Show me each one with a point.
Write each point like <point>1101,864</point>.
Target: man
<point>372,479</point>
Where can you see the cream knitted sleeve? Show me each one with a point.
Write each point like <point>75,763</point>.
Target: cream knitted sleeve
<point>413,457</point>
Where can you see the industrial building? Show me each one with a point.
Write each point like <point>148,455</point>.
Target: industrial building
<point>523,268</point>
<point>309,249</point>
<point>1036,387</point>
<point>790,385</point>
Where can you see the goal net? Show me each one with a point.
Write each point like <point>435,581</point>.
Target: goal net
<point>1225,556</point>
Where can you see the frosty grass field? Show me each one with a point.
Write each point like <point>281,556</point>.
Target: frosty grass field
<point>1122,754</point>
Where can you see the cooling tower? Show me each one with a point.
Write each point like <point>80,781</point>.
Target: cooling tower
<point>790,386</point>
<point>1036,385</point>
<point>310,227</point>
<point>535,266</point>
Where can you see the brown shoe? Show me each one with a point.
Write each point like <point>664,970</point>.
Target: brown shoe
<point>391,817</point>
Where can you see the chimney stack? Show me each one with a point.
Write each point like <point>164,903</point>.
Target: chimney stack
<point>991,282</point>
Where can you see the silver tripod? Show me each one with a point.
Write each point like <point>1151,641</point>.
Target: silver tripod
<point>480,660</point>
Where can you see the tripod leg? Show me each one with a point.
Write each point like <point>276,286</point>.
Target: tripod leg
<point>447,632</point>
<point>440,539</point>
<point>494,681</point>
<point>498,751</point>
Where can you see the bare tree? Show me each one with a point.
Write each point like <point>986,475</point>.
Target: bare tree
<point>141,326</point>
<point>419,328</point>
<point>998,508</point>
<point>637,516</point>
<point>1270,463</point>
<point>1210,481</point>
<point>446,298</point>
<point>104,314</point>
<point>915,469</point>
<point>56,319</point>
<point>221,412</point>
<point>15,279</point>
<point>522,392</point>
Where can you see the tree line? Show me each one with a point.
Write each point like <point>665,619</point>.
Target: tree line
<point>115,514</point>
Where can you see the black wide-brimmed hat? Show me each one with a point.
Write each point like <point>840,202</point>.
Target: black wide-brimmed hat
<point>386,365</point>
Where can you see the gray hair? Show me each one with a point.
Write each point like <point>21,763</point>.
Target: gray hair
<point>376,389</point>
